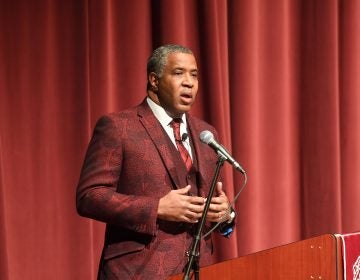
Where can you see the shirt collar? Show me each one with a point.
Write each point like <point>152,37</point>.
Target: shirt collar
<point>161,114</point>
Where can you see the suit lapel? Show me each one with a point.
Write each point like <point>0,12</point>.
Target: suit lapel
<point>156,133</point>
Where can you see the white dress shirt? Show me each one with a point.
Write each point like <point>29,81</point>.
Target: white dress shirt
<point>165,121</point>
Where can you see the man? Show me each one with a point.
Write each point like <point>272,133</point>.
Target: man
<point>146,175</point>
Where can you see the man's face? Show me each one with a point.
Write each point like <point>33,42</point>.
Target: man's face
<point>178,85</point>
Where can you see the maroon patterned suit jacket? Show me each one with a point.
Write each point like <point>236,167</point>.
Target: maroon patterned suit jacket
<point>129,165</point>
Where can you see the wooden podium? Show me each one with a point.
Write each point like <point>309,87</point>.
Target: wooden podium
<point>315,258</point>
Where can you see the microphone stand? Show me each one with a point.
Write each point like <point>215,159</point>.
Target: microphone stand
<point>193,261</point>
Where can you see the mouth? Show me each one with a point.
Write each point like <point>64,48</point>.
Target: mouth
<point>186,98</point>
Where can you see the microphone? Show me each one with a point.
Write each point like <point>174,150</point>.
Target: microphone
<point>208,138</point>
<point>184,137</point>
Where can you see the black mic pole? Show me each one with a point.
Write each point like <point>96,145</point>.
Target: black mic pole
<point>194,254</point>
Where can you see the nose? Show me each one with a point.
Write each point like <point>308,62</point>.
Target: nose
<point>188,80</point>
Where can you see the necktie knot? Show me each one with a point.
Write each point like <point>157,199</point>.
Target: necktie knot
<point>175,124</point>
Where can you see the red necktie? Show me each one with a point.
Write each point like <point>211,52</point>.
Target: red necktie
<point>175,124</point>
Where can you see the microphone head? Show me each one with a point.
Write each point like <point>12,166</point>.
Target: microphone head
<point>206,136</point>
<point>184,137</point>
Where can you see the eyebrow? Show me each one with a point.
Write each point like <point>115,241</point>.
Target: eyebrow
<point>182,68</point>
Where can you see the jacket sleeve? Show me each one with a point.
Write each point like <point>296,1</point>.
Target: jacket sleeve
<point>97,196</point>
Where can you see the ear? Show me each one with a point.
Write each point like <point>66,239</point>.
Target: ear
<point>153,80</point>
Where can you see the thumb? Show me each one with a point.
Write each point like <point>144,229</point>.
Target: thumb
<point>184,190</point>
<point>219,189</point>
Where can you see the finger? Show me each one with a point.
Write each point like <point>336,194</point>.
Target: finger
<point>213,217</point>
<point>190,220</point>
<point>196,200</point>
<point>218,207</point>
<point>196,208</point>
<point>218,200</point>
<point>216,216</point>
<point>191,217</point>
<point>215,207</point>
<point>183,190</point>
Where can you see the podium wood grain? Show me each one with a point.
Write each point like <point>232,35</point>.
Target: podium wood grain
<point>315,258</point>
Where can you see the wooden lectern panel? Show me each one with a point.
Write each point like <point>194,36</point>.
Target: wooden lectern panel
<point>314,258</point>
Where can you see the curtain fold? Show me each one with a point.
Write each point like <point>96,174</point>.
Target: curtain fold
<point>264,81</point>
<point>279,80</point>
<point>349,71</point>
<point>320,114</point>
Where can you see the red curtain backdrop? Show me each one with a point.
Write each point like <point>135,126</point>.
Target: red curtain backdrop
<point>280,80</point>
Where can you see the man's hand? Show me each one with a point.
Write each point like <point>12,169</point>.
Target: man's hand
<point>219,210</point>
<point>178,206</point>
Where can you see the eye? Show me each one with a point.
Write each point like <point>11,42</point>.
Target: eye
<point>194,74</point>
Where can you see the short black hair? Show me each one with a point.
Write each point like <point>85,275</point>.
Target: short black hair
<point>158,58</point>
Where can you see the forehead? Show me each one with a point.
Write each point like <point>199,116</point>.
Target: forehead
<point>181,60</point>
